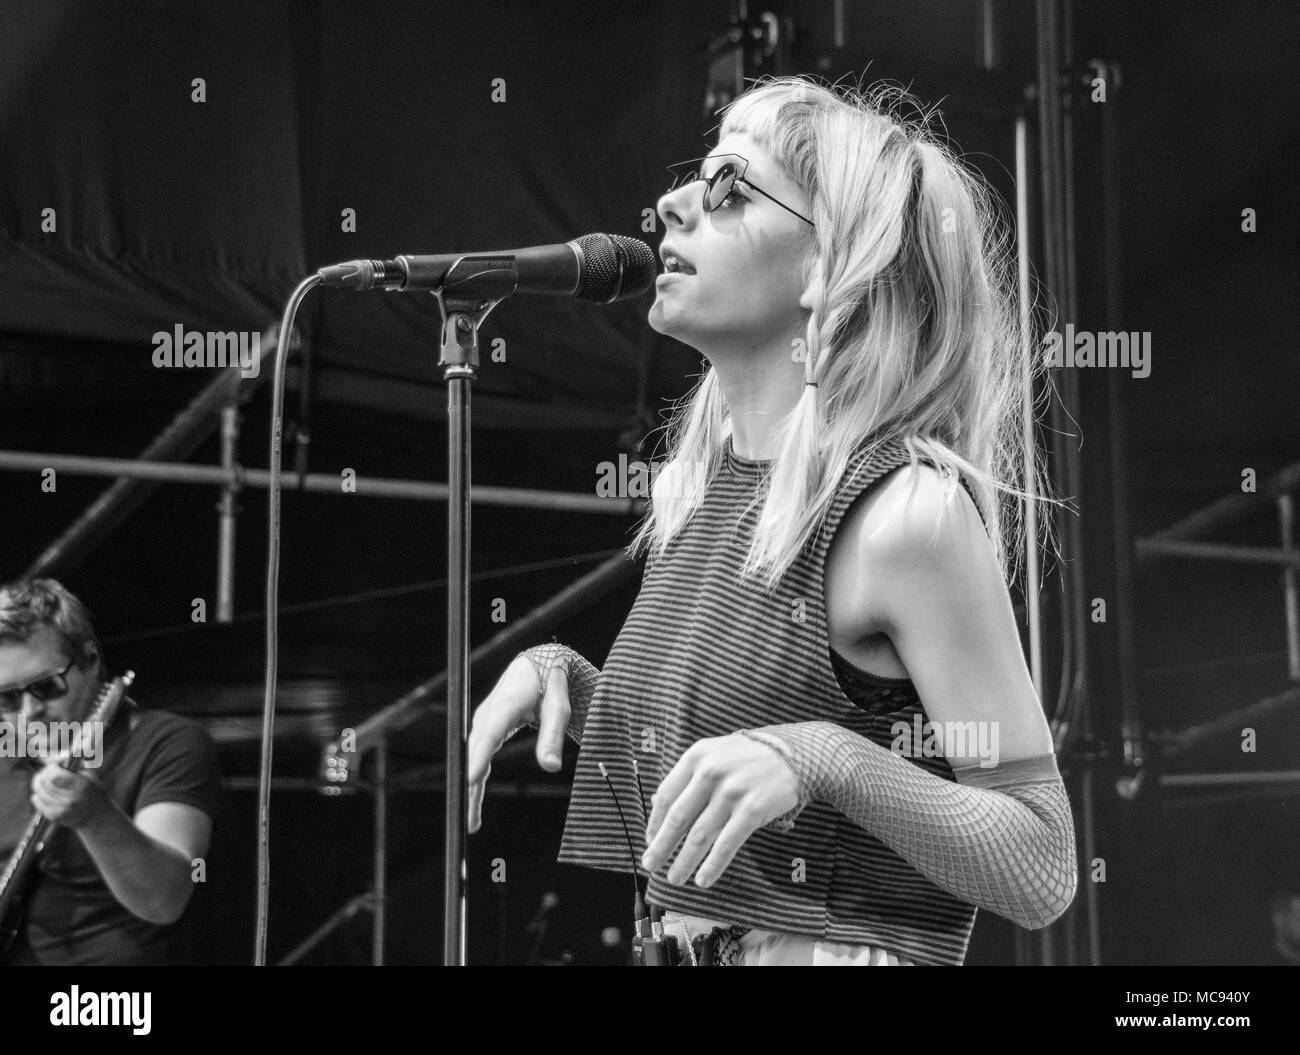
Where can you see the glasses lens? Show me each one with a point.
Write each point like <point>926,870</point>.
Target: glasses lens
<point>50,688</point>
<point>720,184</point>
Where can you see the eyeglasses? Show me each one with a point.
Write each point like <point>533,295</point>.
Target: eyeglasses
<point>45,688</point>
<point>721,185</point>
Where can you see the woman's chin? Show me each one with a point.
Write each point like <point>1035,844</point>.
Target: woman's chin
<point>659,319</point>
<point>681,326</point>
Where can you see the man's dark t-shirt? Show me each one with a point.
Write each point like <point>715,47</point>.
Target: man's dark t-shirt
<point>72,917</point>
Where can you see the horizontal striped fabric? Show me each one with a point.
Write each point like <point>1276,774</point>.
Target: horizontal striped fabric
<point>704,653</point>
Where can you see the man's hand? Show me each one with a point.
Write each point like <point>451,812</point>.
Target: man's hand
<point>720,792</point>
<point>74,800</point>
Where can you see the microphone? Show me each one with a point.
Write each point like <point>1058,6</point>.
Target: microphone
<point>602,268</point>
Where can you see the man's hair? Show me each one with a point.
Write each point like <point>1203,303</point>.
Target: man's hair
<point>29,605</point>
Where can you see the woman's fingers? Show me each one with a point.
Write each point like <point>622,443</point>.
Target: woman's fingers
<point>678,814</point>
<point>740,825</point>
<point>699,840</point>
<point>474,802</point>
<point>510,705</point>
<point>673,785</point>
<point>719,793</point>
<point>485,738</point>
<point>486,735</point>
<point>553,723</point>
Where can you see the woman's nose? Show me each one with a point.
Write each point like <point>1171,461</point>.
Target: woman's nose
<point>674,206</point>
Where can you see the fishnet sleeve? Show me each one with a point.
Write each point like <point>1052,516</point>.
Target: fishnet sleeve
<point>1001,838</point>
<point>582,676</point>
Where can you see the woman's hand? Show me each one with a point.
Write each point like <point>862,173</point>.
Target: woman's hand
<point>512,704</point>
<point>720,792</point>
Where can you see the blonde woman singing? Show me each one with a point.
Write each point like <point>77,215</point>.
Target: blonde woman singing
<point>821,680</point>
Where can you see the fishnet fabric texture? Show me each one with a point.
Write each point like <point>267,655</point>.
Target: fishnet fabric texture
<point>581,674</point>
<point>1001,838</point>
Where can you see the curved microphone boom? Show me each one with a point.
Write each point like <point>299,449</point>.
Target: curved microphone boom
<point>602,268</point>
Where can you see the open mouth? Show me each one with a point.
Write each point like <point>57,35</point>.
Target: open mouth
<point>675,265</point>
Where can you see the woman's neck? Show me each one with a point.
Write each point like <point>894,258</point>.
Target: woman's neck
<point>761,386</point>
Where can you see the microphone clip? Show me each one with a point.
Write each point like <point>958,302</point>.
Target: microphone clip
<point>492,280</point>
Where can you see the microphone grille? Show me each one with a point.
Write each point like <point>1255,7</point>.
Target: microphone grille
<point>616,267</point>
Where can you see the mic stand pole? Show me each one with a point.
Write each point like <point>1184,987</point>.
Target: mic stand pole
<point>491,280</point>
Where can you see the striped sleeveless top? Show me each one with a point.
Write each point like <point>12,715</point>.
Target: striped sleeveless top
<point>704,653</point>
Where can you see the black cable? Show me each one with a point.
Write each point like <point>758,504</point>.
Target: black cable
<point>636,772</point>
<point>272,624</point>
<point>627,833</point>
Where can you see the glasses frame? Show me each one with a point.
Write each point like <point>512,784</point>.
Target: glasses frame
<point>23,690</point>
<point>721,173</point>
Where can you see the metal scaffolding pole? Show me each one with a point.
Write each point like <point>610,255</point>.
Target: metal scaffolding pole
<point>1056,181</point>
<point>338,768</point>
<point>182,436</point>
<point>1229,724</point>
<point>227,514</point>
<point>337,765</point>
<point>1225,511</point>
<point>320,483</point>
<point>1291,598</point>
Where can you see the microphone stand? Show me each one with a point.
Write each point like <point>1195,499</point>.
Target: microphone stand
<point>491,281</point>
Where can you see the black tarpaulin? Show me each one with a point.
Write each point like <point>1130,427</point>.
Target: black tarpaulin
<point>419,128</point>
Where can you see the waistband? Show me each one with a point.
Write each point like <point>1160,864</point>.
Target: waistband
<point>724,944</point>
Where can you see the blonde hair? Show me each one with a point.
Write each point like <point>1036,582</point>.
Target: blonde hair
<point>913,336</point>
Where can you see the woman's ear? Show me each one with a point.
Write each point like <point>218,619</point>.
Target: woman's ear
<point>811,275</point>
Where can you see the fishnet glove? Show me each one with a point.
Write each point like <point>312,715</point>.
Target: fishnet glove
<point>580,674</point>
<point>1010,850</point>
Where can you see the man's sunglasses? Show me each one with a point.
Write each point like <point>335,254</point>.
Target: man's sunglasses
<point>719,186</point>
<point>45,688</point>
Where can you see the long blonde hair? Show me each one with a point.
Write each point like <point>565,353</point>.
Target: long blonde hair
<point>913,336</point>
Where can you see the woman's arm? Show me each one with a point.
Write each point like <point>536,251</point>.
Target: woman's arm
<point>1007,846</point>
<point>1002,837</point>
